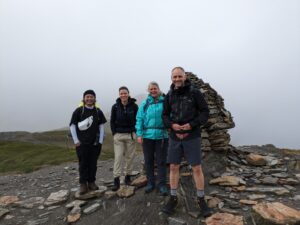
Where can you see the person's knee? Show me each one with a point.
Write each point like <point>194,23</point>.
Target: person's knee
<point>161,161</point>
<point>161,164</point>
<point>174,168</point>
<point>197,170</point>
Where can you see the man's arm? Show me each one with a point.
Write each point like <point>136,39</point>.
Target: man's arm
<point>202,108</point>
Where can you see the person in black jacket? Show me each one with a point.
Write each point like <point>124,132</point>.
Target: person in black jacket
<point>87,129</point>
<point>122,123</point>
<point>185,110</point>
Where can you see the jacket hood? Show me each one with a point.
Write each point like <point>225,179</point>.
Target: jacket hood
<point>151,99</point>
<point>130,100</point>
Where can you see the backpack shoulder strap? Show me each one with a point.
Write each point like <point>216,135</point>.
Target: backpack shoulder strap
<point>146,105</point>
<point>82,111</point>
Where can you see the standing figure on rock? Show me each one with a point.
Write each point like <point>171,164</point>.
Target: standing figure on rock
<point>87,129</point>
<point>153,136</point>
<point>185,110</point>
<point>122,123</point>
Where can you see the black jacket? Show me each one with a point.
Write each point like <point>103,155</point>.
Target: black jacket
<point>185,105</point>
<point>81,113</point>
<point>123,118</point>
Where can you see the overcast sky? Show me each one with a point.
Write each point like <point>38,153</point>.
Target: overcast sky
<point>51,51</point>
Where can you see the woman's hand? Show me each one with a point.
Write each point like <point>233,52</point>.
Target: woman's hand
<point>77,145</point>
<point>140,140</point>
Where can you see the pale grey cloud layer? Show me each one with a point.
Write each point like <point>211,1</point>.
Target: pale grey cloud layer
<point>249,51</point>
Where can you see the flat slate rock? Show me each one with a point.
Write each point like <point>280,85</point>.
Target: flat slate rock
<point>176,221</point>
<point>30,202</point>
<point>91,194</point>
<point>3,212</point>
<point>224,219</point>
<point>57,197</point>
<point>275,213</point>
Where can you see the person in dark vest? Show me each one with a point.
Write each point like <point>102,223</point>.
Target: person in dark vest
<point>185,110</point>
<point>122,123</point>
<point>87,129</point>
<point>153,136</point>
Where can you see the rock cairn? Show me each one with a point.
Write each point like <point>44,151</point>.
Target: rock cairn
<point>214,134</point>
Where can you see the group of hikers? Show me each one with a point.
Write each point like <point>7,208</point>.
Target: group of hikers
<point>167,127</point>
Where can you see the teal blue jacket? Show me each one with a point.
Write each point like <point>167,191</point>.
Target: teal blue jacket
<point>149,123</point>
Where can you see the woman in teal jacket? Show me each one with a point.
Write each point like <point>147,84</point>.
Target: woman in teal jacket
<point>153,136</point>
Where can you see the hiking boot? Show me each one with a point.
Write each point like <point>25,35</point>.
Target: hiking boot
<point>127,180</point>
<point>205,210</point>
<point>93,186</point>
<point>149,188</point>
<point>163,190</point>
<point>116,184</point>
<point>83,189</point>
<point>170,206</point>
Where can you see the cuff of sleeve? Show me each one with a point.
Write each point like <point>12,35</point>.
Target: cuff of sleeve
<point>193,124</point>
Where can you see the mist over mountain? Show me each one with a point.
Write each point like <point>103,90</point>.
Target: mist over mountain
<point>249,51</point>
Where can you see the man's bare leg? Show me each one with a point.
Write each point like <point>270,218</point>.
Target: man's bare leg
<point>174,179</point>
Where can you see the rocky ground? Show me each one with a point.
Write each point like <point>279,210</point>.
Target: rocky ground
<point>248,185</point>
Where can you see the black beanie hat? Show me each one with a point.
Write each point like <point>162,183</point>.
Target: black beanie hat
<point>89,92</point>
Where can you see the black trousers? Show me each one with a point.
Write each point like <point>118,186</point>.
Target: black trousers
<point>88,157</point>
<point>156,150</point>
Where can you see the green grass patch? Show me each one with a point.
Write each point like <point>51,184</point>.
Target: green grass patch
<point>16,156</point>
<point>291,151</point>
<point>107,151</point>
<point>59,138</point>
<point>27,152</point>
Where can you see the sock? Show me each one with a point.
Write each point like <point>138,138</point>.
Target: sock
<point>173,192</point>
<point>200,193</point>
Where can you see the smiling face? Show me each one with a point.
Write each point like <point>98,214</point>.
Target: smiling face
<point>89,100</point>
<point>178,77</point>
<point>124,95</point>
<point>153,90</point>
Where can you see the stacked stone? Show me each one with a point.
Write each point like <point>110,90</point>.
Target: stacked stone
<point>214,134</point>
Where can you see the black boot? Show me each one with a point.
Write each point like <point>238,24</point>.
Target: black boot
<point>116,184</point>
<point>83,189</point>
<point>92,186</point>
<point>171,205</point>
<point>127,180</point>
<point>205,210</point>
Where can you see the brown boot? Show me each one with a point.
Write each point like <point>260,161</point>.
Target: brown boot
<point>93,186</point>
<point>83,189</point>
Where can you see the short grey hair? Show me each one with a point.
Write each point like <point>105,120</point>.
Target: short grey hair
<point>178,68</point>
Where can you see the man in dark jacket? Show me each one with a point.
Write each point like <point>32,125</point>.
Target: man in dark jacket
<point>122,123</point>
<point>185,110</point>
